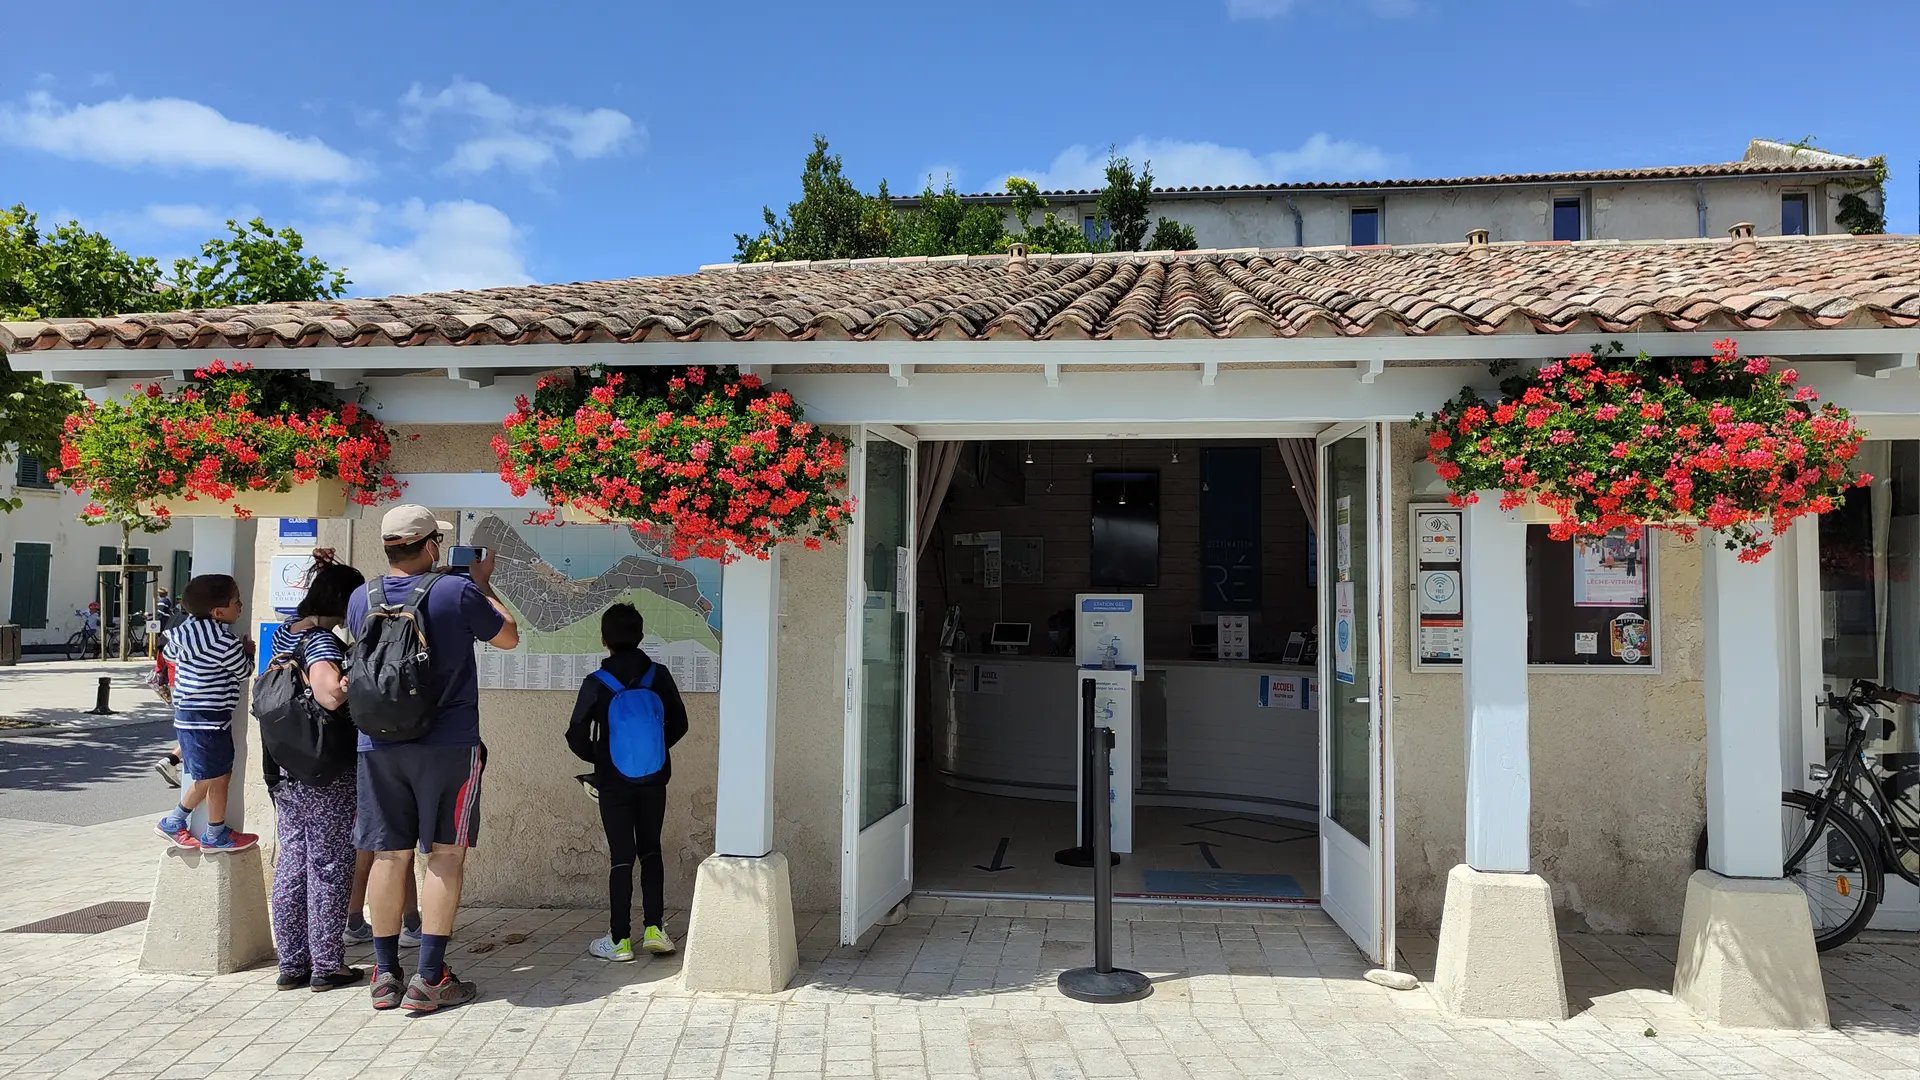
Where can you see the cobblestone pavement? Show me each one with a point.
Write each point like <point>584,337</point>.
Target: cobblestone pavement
<point>957,989</point>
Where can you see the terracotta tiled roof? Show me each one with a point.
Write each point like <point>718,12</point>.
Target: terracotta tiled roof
<point>1825,164</point>
<point>1317,292</point>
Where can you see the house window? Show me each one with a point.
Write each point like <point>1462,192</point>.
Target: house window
<point>1364,225</point>
<point>32,565</point>
<point>32,474</point>
<point>1567,223</point>
<point>1794,220</point>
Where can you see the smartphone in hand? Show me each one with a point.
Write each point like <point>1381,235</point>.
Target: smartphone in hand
<point>461,557</point>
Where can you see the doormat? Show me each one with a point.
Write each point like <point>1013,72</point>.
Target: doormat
<point>88,920</point>
<point>1199,883</point>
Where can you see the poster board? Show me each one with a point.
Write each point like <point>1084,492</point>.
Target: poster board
<point>1438,609</point>
<point>1592,602</point>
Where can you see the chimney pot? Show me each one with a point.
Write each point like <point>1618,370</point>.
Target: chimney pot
<point>1743,237</point>
<point>1017,258</point>
<point>1477,246</point>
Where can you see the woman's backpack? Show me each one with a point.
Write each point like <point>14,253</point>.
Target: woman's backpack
<point>636,726</point>
<point>306,741</point>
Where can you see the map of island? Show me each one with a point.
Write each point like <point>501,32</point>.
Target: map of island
<point>557,580</point>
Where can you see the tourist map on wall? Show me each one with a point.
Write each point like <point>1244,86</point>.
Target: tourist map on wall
<point>558,580</point>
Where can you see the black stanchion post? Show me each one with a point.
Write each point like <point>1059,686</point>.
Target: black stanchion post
<point>1081,854</point>
<point>1103,983</point>
<point>100,699</point>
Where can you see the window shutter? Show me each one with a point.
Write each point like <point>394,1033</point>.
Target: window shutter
<point>31,473</point>
<point>109,584</point>
<point>182,572</point>
<point>32,569</point>
<point>139,556</point>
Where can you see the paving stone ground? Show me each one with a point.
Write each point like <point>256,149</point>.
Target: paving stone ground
<point>960,989</point>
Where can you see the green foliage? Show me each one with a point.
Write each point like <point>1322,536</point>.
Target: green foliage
<point>943,225</point>
<point>834,219</point>
<point>1856,214</point>
<point>1052,235</point>
<point>68,272</point>
<point>255,265</point>
<point>1124,203</point>
<point>1171,235</point>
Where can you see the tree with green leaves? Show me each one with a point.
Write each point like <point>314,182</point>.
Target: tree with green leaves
<point>70,272</point>
<point>1053,234</point>
<point>834,219</point>
<point>1124,203</point>
<point>1171,235</point>
<point>944,225</point>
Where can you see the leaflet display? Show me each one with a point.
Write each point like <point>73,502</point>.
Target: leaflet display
<point>1439,616</point>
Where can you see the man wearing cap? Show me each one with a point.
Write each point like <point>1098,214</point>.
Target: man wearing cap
<point>425,794</point>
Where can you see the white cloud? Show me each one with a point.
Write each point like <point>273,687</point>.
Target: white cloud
<point>498,132</point>
<point>1178,163</point>
<point>180,217</point>
<point>170,133</point>
<point>418,246</point>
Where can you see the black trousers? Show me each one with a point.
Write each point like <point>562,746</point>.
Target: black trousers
<point>632,816</point>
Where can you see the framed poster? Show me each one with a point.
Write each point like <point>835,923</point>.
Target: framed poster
<point>1591,601</point>
<point>1439,624</point>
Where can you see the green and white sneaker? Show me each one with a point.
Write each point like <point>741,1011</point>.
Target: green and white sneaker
<point>656,941</point>
<point>604,947</point>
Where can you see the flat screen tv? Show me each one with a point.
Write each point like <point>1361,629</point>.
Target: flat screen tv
<point>1126,529</point>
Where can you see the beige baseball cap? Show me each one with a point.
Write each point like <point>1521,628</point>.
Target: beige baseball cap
<point>405,524</point>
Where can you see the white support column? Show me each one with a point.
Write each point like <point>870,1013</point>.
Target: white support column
<point>740,934</point>
<point>213,546</point>
<point>1494,684</point>
<point>1746,956</point>
<point>1499,946</point>
<point>749,684</point>
<point>1744,606</point>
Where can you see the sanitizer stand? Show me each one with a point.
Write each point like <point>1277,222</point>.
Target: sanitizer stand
<point>1110,646</point>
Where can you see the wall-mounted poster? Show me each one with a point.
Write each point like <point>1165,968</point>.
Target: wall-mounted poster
<point>1343,630</point>
<point>1610,571</point>
<point>1439,622</point>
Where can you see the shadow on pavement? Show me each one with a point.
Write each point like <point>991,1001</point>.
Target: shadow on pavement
<point>78,760</point>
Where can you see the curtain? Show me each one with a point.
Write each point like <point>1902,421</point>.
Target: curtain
<point>1300,457</point>
<point>937,462</point>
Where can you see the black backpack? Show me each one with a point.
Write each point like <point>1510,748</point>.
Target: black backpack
<point>306,741</point>
<point>389,670</point>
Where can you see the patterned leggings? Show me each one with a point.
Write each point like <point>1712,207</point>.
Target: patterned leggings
<point>314,874</point>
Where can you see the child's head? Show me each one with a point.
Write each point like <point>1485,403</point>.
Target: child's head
<point>622,628</point>
<point>213,596</point>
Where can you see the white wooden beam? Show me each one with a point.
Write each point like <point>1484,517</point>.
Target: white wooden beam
<point>339,377</point>
<point>1884,365</point>
<point>1370,369</point>
<point>1747,656</point>
<point>1209,372</point>
<point>1052,371</point>
<point>476,378</point>
<point>902,374</point>
<point>749,684</point>
<point>1494,689</point>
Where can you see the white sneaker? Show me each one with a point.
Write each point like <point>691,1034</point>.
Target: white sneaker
<point>604,947</point>
<point>656,941</point>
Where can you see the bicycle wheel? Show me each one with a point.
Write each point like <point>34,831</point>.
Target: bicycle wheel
<point>1841,874</point>
<point>77,647</point>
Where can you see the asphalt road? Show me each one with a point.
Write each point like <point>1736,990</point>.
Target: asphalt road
<point>85,777</point>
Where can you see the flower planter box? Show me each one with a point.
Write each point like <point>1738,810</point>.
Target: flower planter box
<point>318,499</point>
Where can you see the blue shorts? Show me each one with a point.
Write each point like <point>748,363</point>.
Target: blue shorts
<point>205,755</point>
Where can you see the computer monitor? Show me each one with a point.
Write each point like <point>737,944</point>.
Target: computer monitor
<point>1204,638</point>
<point>1010,635</point>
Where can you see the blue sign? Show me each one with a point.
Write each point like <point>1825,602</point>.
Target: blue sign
<point>300,532</point>
<point>1106,605</point>
<point>264,644</point>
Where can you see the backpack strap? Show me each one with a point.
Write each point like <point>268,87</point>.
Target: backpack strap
<point>646,680</point>
<point>608,679</point>
<point>416,601</point>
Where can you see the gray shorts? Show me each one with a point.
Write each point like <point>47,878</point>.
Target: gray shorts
<point>414,796</point>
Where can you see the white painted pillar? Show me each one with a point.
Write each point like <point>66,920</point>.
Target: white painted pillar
<point>213,546</point>
<point>1499,776</point>
<point>1748,658</point>
<point>749,684</point>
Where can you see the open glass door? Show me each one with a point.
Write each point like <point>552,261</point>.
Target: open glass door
<point>1356,878</point>
<point>876,860</point>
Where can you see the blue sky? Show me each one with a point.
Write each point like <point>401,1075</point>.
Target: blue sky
<point>427,145</point>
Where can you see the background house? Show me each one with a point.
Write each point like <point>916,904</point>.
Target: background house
<point>1784,190</point>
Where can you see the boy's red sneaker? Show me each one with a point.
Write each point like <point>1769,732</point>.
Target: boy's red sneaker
<point>183,838</point>
<point>224,840</point>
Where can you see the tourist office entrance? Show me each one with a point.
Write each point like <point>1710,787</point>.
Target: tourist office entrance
<point>1459,721</point>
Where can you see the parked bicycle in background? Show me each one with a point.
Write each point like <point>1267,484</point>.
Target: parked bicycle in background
<point>91,643</point>
<point>1861,822</point>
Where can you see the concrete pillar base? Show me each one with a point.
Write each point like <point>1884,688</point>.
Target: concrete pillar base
<point>740,934</point>
<point>209,914</point>
<point>1746,955</point>
<point>1499,949</point>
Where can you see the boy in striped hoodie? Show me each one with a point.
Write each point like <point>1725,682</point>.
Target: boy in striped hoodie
<point>209,663</point>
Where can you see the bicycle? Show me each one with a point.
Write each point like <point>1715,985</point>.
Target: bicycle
<point>1842,838</point>
<point>89,644</point>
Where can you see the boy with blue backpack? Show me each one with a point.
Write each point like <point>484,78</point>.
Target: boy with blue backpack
<point>627,716</point>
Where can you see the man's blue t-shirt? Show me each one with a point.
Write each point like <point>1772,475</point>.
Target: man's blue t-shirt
<point>457,615</point>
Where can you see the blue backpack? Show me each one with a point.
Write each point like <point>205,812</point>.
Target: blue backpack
<point>636,726</point>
